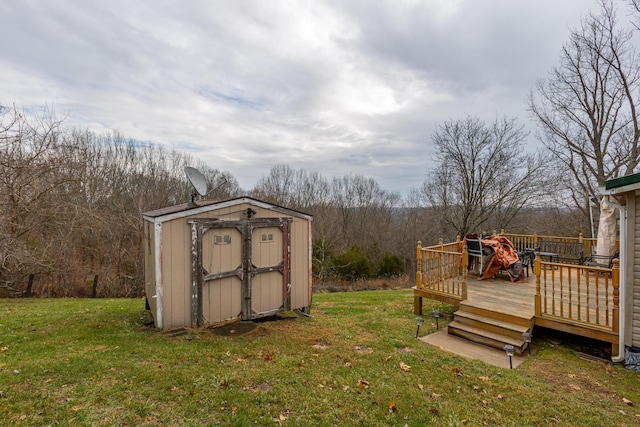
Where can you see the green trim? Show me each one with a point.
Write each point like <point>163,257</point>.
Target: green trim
<point>622,181</point>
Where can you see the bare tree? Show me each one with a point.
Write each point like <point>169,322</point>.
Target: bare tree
<point>586,107</point>
<point>32,167</point>
<point>365,211</point>
<point>294,188</point>
<point>484,177</point>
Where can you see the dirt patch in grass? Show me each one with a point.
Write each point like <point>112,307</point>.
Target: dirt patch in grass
<point>363,349</point>
<point>234,329</point>
<point>262,387</point>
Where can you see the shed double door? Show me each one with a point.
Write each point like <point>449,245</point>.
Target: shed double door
<point>240,269</point>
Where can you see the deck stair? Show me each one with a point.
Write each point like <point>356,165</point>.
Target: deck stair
<point>491,328</point>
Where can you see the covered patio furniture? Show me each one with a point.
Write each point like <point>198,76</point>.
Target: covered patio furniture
<point>502,256</point>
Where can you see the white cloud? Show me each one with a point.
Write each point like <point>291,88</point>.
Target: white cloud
<point>336,86</point>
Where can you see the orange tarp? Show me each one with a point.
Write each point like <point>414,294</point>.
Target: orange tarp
<point>501,254</point>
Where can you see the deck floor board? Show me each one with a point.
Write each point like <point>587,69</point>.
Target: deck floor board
<point>502,295</point>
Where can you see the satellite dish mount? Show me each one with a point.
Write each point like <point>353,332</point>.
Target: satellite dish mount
<point>198,184</point>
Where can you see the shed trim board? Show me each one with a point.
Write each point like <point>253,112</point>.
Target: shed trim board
<point>158,269</point>
<point>184,212</point>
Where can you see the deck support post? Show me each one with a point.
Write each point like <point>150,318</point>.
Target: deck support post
<point>538,297</point>
<point>417,300</point>
<point>417,305</point>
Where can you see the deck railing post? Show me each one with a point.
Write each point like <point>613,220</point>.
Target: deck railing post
<point>465,264</point>
<point>615,281</point>
<point>537,272</point>
<point>419,265</point>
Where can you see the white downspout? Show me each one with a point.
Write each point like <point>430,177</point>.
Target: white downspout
<point>623,276</point>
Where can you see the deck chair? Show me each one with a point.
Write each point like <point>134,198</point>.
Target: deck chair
<point>605,261</point>
<point>474,249</point>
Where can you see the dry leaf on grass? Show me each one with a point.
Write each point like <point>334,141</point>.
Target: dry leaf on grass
<point>404,366</point>
<point>392,407</point>
<point>268,357</point>
<point>627,401</point>
<point>363,384</point>
<point>575,387</point>
<point>281,418</point>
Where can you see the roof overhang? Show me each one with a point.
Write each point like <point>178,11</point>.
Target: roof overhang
<point>183,210</point>
<point>624,184</point>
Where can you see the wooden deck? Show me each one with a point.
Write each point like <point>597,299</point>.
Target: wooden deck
<point>582,300</point>
<point>496,312</point>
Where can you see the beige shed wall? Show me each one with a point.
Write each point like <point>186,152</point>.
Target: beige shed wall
<point>300,263</point>
<point>176,271</point>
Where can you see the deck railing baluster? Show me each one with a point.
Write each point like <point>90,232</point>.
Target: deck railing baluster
<point>569,284</point>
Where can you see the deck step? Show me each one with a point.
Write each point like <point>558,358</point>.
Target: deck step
<point>491,324</point>
<point>485,337</point>
<point>517,317</point>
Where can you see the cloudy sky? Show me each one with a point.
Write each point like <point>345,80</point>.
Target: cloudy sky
<point>333,86</point>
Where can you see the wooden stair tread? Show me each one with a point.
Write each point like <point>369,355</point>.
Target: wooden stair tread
<point>493,336</point>
<point>515,316</point>
<point>503,324</point>
<point>516,309</point>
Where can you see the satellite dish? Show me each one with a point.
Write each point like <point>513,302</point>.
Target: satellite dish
<point>198,182</point>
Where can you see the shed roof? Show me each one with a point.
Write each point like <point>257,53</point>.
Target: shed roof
<point>184,210</point>
<point>623,184</point>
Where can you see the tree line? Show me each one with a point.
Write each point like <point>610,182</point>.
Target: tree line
<point>71,200</point>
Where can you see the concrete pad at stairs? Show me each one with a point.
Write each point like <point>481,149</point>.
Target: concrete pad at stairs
<point>471,350</point>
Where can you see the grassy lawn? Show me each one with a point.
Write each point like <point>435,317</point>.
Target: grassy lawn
<point>355,361</point>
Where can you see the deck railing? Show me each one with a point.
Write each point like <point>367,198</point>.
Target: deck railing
<point>443,269</point>
<point>530,241</point>
<point>584,295</point>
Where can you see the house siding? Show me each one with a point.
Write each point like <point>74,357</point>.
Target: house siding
<point>633,213</point>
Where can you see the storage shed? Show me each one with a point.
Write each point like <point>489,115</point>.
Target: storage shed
<point>211,262</point>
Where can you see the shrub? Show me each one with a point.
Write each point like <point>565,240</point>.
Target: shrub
<point>390,265</point>
<point>352,264</point>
